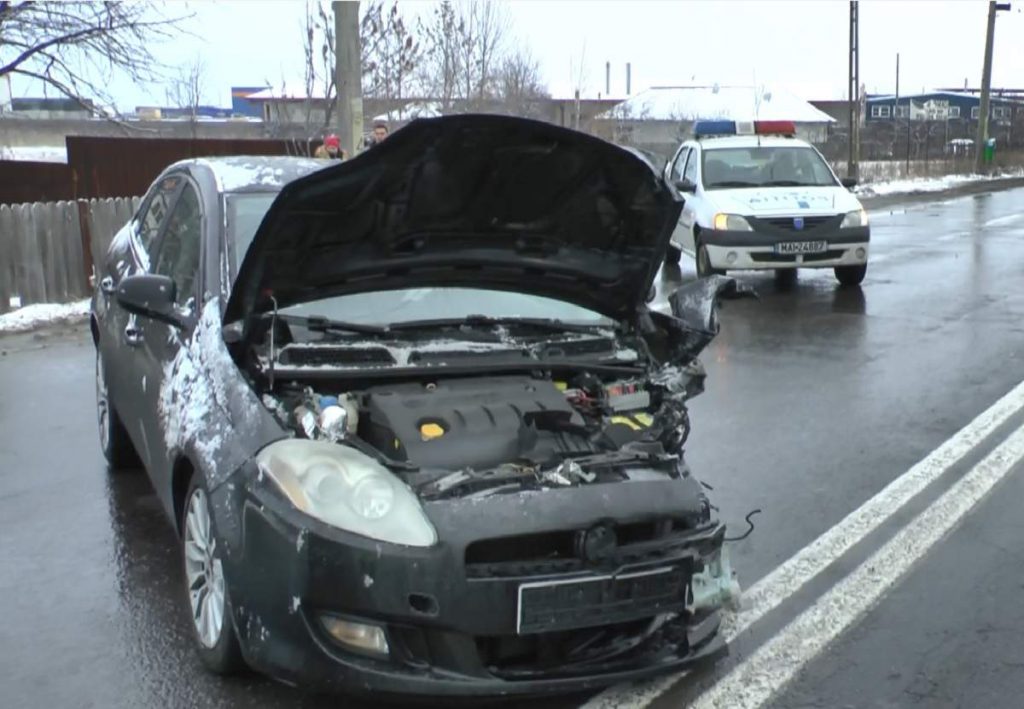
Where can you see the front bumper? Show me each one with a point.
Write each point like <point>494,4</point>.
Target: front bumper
<point>756,250</point>
<point>450,612</point>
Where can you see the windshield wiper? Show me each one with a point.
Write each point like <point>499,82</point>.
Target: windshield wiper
<point>318,323</point>
<point>734,183</point>
<point>546,324</point>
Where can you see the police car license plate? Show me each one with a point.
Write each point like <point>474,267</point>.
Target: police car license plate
<point>801,247</point>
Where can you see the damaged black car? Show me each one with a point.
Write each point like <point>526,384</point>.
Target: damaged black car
<point>412,417</point>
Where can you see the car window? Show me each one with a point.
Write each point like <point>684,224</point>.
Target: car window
<point>677,167</point>
<point>766,166</point>
<point>154,214</point>
<point>178,255</point>
<point>245,212</point>
<point>690,171</point>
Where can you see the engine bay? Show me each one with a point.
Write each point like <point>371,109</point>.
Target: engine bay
<point>449,435</point>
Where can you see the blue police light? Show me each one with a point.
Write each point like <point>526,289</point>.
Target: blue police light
<point>704,128</point>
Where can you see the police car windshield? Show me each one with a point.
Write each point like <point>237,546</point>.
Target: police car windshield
<point>765,166</point>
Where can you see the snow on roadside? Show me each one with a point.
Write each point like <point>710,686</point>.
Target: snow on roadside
<point>33,316</point>
<point>926,184</point>
<point>36,153</point>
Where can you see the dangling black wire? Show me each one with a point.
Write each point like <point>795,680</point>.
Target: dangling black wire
<point>747,533</point>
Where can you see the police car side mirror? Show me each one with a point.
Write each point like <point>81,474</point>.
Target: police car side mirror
<point>685,186</point>
<point>848,182</point>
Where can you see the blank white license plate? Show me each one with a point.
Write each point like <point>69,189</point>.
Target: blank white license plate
<point>801,247</point>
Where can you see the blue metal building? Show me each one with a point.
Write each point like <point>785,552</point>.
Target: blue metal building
<point>939,106</point>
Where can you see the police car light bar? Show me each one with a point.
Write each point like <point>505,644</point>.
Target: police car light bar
<point>703,129</point>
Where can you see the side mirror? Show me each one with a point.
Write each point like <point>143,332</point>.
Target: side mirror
<point>686,186</point>
<point>150,296</point>
<point>848,182</point>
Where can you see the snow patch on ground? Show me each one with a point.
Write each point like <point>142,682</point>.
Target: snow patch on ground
<point>34,153</point>
<point>33,316</point>
<point>926,184</point>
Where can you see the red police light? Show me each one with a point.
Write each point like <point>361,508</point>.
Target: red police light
<point>774,128</point>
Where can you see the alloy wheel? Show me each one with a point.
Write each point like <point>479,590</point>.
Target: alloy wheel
<point>102,404</point>
<point>204,572</point>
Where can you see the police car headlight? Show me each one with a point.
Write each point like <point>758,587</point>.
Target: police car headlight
<point>854,219</point>
<point>731,222</point>
<point>347,489</point>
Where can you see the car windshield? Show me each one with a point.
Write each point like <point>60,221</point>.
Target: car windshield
<point>245,212</point>
<point>726,168</point>
<point>418,304</point>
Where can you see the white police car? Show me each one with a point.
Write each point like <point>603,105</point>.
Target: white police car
<point>756,198</point>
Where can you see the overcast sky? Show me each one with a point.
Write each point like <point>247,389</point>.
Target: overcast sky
<point>800,46</point>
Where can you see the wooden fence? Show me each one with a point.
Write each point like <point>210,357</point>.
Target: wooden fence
<point>47,249</point>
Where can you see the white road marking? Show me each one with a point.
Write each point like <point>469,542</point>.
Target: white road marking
<point>768,593</point>
<point>999,221</point>
<point>760,677</point>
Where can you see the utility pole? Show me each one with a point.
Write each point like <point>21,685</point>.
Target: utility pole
<point>348,74</point>
<point>853,163</point>
<point>895,108</point>
<point>986,82</point>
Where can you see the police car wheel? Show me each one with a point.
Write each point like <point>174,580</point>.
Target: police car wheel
<point>851,275</point>
<point>674,254</point>
<point>704,268</point>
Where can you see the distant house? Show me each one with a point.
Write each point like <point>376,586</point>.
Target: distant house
<point>240,103</point>
<point>659,118</point>
<point>939,106</point>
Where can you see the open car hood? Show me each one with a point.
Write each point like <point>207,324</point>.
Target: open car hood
<point>470,201</point>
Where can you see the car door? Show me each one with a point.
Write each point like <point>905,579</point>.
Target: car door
<point>177,256</point>
<point>130,253</point>
<point>688,215</point>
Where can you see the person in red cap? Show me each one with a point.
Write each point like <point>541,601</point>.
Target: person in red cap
<point>331,149</point>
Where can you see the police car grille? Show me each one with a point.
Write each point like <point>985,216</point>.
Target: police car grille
<point>788,223</point>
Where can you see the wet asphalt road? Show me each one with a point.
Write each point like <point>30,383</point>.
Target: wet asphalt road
<point>816,398</point>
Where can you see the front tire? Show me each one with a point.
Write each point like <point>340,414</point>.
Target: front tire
<point>114,442</point>
<point>704,268</point>
<point>851,275</point>
<point>212,627</point>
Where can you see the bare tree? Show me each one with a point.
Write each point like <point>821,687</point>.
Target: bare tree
<point>75,47</point>
<point>519,84</point>
<point>441,70</point>
<point>318,49</point>
<point>484,29</point>
<point>186,90</point>
<point>391,52</point>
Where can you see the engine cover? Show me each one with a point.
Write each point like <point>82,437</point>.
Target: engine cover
<point>477,423</point>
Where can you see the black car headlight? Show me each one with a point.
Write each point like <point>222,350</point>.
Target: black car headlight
<point>347,489</point>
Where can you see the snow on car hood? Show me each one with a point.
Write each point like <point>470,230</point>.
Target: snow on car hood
<point>784,200</point>
<point>475,201</point>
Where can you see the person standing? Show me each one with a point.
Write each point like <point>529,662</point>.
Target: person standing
<point>330,149</point>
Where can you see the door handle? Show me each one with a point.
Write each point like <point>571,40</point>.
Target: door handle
<point>132,336</point>
<point>107,285</point>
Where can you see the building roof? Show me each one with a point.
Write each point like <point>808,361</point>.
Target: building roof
<point>738,103</point>
<point>288,92</point>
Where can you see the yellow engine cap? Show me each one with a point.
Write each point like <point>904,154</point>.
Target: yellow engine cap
<point>430,431</point>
